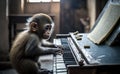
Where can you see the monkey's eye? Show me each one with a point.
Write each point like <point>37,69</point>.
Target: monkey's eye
<point>48,27</point>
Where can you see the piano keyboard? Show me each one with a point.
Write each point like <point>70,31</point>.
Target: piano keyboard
<point>67,55</point>
<point>59,65</point>
<point>61,61</point>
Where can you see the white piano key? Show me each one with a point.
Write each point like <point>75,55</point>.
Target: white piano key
<point>61,70</point>
<point>61,66</point>
<point>62,73</point>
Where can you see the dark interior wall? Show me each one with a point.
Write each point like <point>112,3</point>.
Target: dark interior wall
<point>15,7</point>
<point>4,46</point>
<point>70,13</point>
<point>99,6</point>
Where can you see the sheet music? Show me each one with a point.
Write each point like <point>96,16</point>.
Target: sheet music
<point>105,24</point>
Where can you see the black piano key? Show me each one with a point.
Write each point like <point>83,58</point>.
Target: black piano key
<point>70,62</point>
<point>67,55</point>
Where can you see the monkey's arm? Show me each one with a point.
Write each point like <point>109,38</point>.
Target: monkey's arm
<point>34,48</point>
<point>48,50</point>
<point>46,43</point>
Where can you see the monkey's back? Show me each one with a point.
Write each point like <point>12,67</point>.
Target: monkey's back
<point>18,47</point>
<point>17,55</point>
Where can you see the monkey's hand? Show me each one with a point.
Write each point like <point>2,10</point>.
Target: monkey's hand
<point>59,50</point>
<point>60,46</point>
<point>45,71</point>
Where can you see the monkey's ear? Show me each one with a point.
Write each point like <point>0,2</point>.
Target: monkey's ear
<point>33,26</point>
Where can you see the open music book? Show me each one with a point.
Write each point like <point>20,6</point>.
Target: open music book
<point>106,23</point>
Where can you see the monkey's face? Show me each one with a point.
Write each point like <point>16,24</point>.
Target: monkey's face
<point>47,31</point>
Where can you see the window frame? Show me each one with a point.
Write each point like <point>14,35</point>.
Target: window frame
<point>41,1</point>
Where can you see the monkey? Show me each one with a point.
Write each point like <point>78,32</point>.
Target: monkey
<point>32,43</point>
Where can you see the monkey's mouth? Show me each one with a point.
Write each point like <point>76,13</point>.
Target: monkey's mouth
<point>45,36</point>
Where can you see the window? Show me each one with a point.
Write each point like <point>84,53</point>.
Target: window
<point>32,1</point>
<point>39,1</point>
<point>56,0</point>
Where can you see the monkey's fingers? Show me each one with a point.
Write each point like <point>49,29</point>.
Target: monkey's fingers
<point>60,52</point>
<point>45,71</point>
<point>60,46</point>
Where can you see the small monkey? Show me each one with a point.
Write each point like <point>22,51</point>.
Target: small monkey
<point>29,45</point>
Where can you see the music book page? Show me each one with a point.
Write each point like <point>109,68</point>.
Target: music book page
<point>105,24</point>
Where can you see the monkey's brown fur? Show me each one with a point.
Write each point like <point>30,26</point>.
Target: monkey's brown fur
<point>27,46</point>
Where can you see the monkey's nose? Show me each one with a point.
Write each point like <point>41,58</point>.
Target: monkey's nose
<point>48,32</point>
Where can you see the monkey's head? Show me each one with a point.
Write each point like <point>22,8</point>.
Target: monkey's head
<point>42,25</point>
